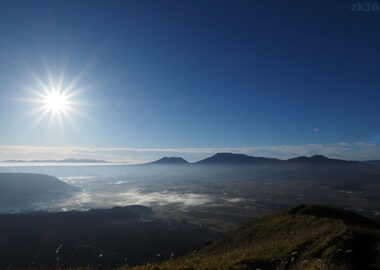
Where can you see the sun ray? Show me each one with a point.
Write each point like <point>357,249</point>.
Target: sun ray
<point>61,78</point>
<point>73,83</point>
<point>38,120</point>
<point>38,80</point>
<point>51,120</point>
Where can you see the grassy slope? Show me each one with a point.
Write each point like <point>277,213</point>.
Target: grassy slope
<point>304,237</point>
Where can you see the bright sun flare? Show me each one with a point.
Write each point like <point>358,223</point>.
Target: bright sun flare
<point>56,102</point>
<point>55,97</point>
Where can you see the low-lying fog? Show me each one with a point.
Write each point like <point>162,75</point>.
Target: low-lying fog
<point>108,185</point>
<point>211,192</point>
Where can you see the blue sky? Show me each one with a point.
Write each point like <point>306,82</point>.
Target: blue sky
<point>175,75</point>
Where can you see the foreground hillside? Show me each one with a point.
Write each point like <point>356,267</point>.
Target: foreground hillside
<point>304,237</point>
<point>99,238</point>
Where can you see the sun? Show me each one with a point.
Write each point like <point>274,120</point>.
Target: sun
<point>56,102</point>
<point>55,98</point>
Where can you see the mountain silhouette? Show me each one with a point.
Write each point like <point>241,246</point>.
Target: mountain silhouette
<point>232,159</point>
<point>319,160</point>
<point>170,161</point>
<point>236,159</point>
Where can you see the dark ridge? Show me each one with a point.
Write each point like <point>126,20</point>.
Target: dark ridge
<point>371,162</point>
<point>170,161</point>
<point>236,159</point>
<point>319,160</point>
<point>325,211</point>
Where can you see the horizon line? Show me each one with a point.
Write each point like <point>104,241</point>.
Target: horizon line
<point>110,162</point>
<point>358,151</point>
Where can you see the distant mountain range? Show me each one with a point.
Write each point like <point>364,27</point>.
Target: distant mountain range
<point>224,159</point>
<point>242,159</point>
<point>68,160</point>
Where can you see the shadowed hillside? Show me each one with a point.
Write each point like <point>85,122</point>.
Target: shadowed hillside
<point>303,237</point>
<point>23,189</point>
<point>105,238</point>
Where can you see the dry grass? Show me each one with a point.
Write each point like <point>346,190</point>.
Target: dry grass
<point>293,239</point>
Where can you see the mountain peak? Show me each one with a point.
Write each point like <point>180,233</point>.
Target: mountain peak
<point>170,161</point>
<point>229,155</point>
<point>319,160</point>
<point>235,159</point>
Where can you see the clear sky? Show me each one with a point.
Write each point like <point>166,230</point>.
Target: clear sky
<point>158,77</point>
